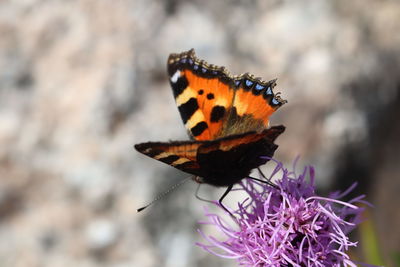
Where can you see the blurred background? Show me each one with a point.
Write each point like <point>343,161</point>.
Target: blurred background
<point>82,81</point>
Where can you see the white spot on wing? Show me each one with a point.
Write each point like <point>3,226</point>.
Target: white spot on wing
<point>176,76</point>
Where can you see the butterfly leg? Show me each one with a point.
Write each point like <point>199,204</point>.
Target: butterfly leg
<point>266,181</point>
<point>222,198</point>
<point>199,197</point>
<point>261,173</point>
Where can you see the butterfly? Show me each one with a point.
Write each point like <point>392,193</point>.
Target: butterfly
<point>227,118</point>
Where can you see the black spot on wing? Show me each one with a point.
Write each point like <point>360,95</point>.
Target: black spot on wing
<point>199,128</point>
<point>180,85</point>
<point>169,159</point>
<point>217,113</point>
<point>210,96</point>
<point>188,109</point>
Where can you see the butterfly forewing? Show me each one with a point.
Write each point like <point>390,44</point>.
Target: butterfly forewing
<point>214,104</point>
<point>203,95</point>
<point>181,155</point>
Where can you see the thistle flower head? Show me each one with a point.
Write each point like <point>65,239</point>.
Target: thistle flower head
<point>286,225</point>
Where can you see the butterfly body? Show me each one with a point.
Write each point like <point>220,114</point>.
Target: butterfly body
<point>227,118</point>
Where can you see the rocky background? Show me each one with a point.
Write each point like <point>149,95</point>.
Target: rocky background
<point>82,81</point>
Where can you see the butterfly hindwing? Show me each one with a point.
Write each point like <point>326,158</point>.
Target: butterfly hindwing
<point>214,104</point>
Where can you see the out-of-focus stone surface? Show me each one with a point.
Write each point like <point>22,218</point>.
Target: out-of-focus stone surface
<point>82,81</point>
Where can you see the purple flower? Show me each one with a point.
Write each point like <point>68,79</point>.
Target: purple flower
<point>286,225</point>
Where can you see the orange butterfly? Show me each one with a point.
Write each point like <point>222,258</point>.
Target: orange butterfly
<point>226,116</point>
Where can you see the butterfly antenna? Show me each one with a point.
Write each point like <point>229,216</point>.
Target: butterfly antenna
<point>163,194</point>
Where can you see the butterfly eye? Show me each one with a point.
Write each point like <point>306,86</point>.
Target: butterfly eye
<point>259,87</point>
<point>269,91</point>
<point>249,83</point>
